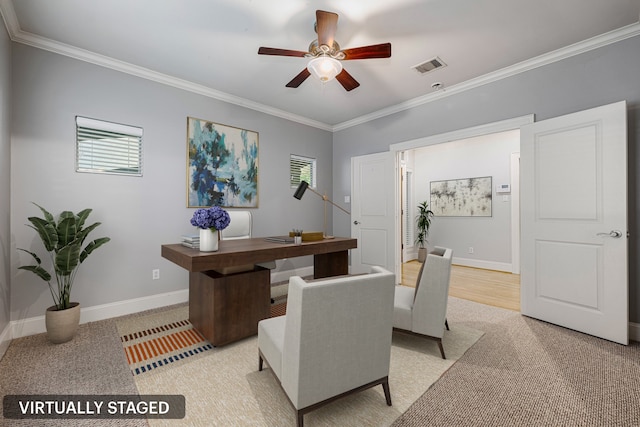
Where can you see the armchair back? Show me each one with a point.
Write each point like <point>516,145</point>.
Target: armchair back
<point>432,292</point>
<point>337,335</point>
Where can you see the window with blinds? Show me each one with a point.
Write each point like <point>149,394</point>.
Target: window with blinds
<point>105,147</point>
<point>302,169</point>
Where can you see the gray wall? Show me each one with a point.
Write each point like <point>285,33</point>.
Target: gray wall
<point>488,155</point>
<point>5,175</point>
<point>595,78</point>
<point>139,214</point>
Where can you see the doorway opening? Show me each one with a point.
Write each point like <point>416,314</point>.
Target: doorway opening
<point>486,248</point>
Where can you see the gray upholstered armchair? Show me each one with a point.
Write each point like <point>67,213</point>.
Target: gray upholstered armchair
<point>423,310</point>
<point>334,340</point>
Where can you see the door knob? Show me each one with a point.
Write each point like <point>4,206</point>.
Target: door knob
<point>613,233</point>
<point>356,222</point>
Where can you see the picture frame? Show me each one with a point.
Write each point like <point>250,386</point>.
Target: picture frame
<point>462,197</point>
<point>222,165</point>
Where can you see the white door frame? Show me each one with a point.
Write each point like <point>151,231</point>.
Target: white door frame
<point>515,213</point>
<point>501,126</point>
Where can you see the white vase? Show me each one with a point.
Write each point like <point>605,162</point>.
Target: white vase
<point>208,240</point>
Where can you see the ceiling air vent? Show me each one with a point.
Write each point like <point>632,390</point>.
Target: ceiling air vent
<point>429,65</point>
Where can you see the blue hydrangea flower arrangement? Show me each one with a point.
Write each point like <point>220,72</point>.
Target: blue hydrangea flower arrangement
<point>214,218</point>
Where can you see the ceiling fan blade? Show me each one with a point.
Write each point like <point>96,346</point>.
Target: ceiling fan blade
<point>347,81</point>
<point>365,52</point>
<point>326,26</point>
<point>281,52</point>
<point>297,80</point>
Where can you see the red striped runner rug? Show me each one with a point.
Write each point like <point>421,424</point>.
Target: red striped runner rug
<point>164,339</point>
<point>162,345</point>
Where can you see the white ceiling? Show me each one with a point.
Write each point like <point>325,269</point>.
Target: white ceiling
<point>210,46</point>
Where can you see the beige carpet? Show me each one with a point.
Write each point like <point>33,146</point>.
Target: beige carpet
<point>223,387</point>
<point>92,363</point>
<point>528,373</point>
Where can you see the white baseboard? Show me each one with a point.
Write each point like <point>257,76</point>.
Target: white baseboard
<point>35,325</point>
<point>477,263</point>
<point>122,308</point>
<point>5,340</point>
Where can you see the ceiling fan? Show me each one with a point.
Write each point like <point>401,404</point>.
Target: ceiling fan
<point>326,54</point>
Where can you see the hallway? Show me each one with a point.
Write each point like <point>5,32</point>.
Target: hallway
<point>496,288</point>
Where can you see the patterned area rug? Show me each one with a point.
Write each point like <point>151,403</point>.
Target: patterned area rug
<point>164,339</point>
<point>222,385</point>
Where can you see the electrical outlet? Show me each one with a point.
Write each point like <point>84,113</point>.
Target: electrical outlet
<point>155,274</point>
<point>470,249</point>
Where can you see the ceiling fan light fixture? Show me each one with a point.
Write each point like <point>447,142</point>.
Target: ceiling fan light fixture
<point>324,68</point>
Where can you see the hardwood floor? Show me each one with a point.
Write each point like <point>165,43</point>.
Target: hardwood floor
<point>496,288</point>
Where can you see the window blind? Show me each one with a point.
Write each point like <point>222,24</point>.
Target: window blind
<point>105,147</point>
<point>302,169</point>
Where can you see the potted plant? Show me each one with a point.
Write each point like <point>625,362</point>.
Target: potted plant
<point>63,239</point>
<point>423,222</point>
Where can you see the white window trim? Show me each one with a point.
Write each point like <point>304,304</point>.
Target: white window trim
<point>116,150</point>
<point>302,159</point>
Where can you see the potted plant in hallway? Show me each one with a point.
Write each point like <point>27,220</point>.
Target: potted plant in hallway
<point>63,239</point>
<point>423,222</point>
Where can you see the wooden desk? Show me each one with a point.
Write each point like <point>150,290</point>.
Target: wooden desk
<point>227,307</point>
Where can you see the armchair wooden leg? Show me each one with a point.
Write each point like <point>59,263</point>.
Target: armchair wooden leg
<point>441,348</point>
<point>439,340</point>
<point>387,393</point>
<point>446,324</point>
<point>260,361</point>
<point>382,381</point>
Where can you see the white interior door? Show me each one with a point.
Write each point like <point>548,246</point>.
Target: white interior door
<point>574,263</point>
<point>373,212</point>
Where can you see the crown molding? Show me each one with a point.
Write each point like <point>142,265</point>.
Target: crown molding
<point>9,17</point>
<point>521,67</point>
<point>19,36</point>
<point>145,73</point>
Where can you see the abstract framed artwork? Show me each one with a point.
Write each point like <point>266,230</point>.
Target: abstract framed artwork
<point>461,197</point>
<point>222,165</point>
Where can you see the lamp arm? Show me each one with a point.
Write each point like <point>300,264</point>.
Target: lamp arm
<point>339,207</point>
<point>326,199</point>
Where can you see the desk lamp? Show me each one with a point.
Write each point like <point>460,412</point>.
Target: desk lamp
<point>304,185</point>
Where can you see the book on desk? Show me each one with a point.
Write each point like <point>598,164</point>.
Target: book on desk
<point>279,239</point>
<point>191,241</point>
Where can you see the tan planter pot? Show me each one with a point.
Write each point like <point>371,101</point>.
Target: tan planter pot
<point>422,254</point>
<point>62,325</point>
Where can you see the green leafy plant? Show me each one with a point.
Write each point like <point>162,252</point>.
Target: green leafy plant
<point>63,240</point>
<point>423,222</point>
